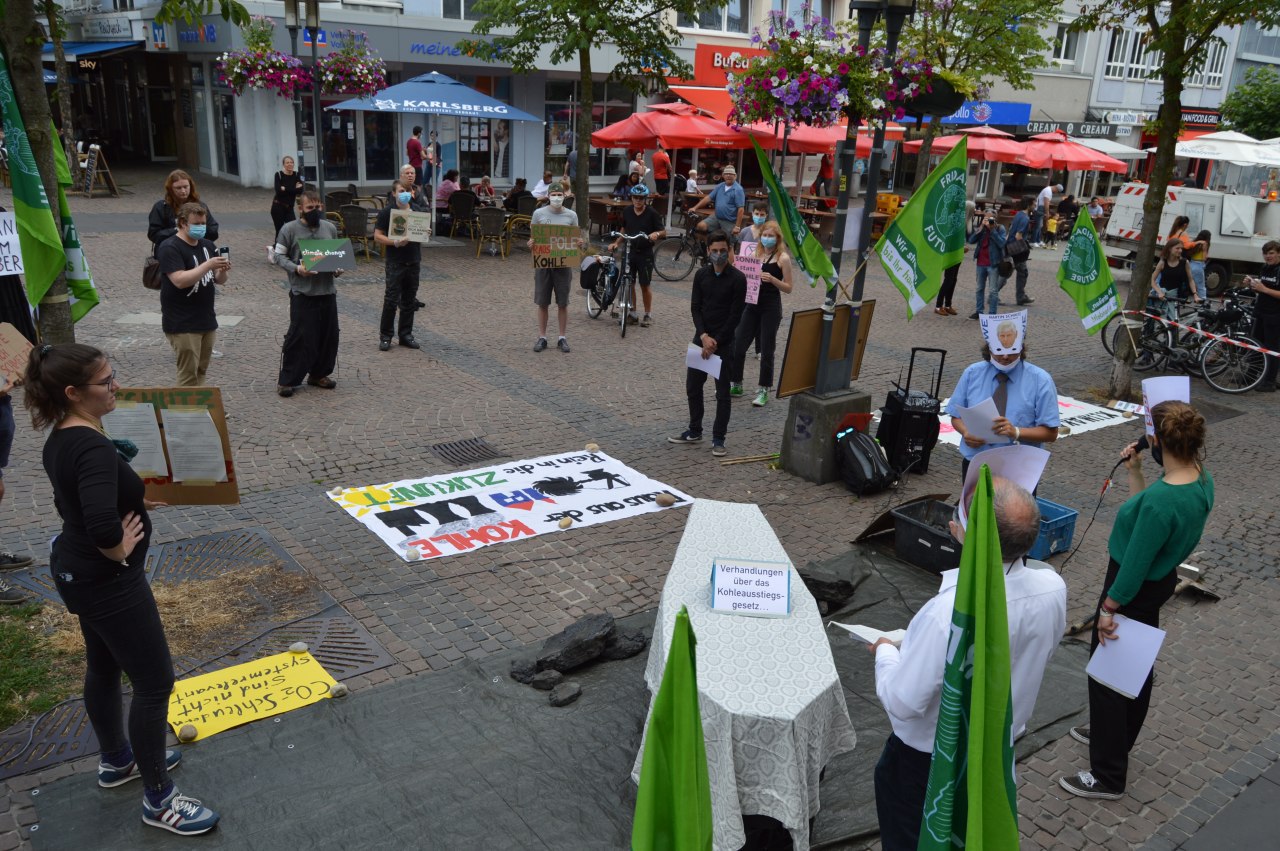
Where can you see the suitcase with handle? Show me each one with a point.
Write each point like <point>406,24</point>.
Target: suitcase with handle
<point>909,423</point>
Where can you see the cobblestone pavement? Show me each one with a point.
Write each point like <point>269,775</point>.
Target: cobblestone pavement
<point>1215,710</point>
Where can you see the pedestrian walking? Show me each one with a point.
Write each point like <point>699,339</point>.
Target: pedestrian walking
<point>288,183</point>
<point>416,154</point>
<point>97,563</point>
<point>553,281</point>
<point>716,302</point>
<point>403,273</point>
<point>760,321</point>
<point>190,267</point>
<point>1154,531</point>
<point>988,250</point>
<point>310,348</point>
<point>162,222</point>
<point>946,292</point>
<point>1017,249</point>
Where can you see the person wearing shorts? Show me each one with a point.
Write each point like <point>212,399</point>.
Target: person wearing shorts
<point>552,281</point>
<point>640,218</point>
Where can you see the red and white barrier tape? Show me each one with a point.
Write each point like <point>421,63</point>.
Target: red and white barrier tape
<point>1224,338</point>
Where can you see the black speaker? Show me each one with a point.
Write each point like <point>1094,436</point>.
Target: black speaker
<point>909,422</point>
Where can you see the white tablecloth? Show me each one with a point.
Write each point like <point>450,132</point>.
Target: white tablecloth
<point>773,710</point>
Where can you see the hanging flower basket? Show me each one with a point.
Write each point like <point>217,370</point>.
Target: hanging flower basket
<point>813,72</point>
<point>352,69</point>
<point>258,66</point>
<point>943,98</point>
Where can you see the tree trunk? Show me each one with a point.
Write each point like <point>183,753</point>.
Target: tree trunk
<point>922,159</point>
<point>64,89</point>
<point>1170,121</point>
<point>23,39</point>
<point>586,108</point>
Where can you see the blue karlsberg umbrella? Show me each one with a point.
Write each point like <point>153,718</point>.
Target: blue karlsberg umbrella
<point>436,94</point>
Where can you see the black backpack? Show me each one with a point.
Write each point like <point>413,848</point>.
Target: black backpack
<point>863,464</point>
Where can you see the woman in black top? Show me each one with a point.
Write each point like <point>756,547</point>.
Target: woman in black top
<point>288,184</point>
<point>179,188</point>
<point>760,321</point>
<point>97,566</point>
<point>1173,275</point>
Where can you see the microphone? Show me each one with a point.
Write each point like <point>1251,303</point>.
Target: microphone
<point>1142,444</point>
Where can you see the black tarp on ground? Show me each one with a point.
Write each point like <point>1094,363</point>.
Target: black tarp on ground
<point>467,758</point>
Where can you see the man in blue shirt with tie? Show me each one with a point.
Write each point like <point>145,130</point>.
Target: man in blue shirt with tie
<point>1025,395</point>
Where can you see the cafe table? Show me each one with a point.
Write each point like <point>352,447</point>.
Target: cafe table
<point>772,706</point>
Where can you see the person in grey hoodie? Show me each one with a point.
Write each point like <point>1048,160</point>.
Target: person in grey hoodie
<point>310,348</point>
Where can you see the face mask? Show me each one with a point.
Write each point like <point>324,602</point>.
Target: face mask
<point>312,217</point>
<point>768,241</point>
<point>198,231</point>
<point>557,201</point>
<point>1003,367</point>
<point>719,258</point>
<point>759,219</point>
<point>1157,454</point>
<point>404,197</point>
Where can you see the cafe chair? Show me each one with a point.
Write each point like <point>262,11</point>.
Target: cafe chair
<point>337,199</point>
<point>598,217</point>
<point>370,201</point>
<point>337,222</point>
<point>491,223</point>
<point>462,212</point>
<point>526,204</point>
<point>355,221</point>
<point>519,228</point>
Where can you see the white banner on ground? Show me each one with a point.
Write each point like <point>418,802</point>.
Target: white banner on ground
<point>438,516</point>
<point>1076,415</point>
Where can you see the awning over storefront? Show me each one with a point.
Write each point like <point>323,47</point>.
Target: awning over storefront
<point>76,49</point>
<point>712,101</point>
<point>1111,149</point>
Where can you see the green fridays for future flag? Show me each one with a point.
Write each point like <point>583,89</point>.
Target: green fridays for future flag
<point>84,295</point>
<point>928,235</point>
<point>42,255</point>
<point>673,804</point>
<point>801,243</point>
<point>1085,276</point>
<point>971,802</point>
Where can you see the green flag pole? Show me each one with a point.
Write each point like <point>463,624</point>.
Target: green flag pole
<point>927,236</point>
<point>971,802</point>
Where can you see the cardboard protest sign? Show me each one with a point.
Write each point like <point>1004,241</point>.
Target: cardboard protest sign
<point>327,255</point>
<point>184,452</point>
<point>10,248</point>
<point>437,516</point>
<point>14,349</point>
<point>555,246</point>
<point>750,266</point>
<point>406,224</point>
<point>223,699</point>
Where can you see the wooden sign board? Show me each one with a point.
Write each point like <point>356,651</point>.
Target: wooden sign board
<point>406,224</point>
<point>97,173</point>
<point>14,349</point>
<point>800,361</point>
<point>185,401</point>
<point>555,246</point>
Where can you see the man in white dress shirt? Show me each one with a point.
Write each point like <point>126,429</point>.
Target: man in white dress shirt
<point>909,679</point>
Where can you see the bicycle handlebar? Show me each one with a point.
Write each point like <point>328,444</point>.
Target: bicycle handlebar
<point>617,235</point>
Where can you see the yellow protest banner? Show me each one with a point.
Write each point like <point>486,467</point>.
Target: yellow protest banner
<point>262,688</point>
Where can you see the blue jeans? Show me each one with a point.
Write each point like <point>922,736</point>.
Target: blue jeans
<point>901,781</point>
<point>1197,275</point>
<point>985,274</point>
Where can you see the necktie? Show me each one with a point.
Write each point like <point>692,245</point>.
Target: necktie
<point>1001,396</point>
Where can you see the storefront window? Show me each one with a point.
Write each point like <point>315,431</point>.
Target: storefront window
<point>464,9</point>
<point>612,104</point>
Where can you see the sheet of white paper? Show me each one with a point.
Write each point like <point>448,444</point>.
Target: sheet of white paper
<point>1163,389</point>
<point>694,360</point>
<point>195,448</point>
<point>870,634</point>
<point>1017,462</point>
<point>978,420</point>
<point>1123,665</point>
<point>138,423</point>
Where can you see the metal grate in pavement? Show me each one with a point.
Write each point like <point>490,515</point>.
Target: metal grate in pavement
<point>470,451</point>
<point>334,637</point>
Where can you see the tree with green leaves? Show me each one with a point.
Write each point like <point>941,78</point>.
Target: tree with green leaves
<point>1253,107</point>
<point>22,34</point>
<point>1177,33</point>
<point>642,31</point>
<point>980,41</point>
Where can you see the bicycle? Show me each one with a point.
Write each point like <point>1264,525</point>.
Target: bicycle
<point>625,287</point>
<point>674,257</point>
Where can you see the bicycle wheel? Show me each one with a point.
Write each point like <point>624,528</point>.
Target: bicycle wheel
<point>595,300</point>
<point>627,293</point>
<point>1154,343</point>
<point>672,259</point>
<point>1233,369</point>
<point>1114,324</point>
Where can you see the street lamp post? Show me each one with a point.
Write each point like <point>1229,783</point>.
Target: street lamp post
<point>833,375</point>
<point>291,23</point>
<point>313,25</point>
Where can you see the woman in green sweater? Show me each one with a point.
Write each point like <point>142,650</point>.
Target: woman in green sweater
<point>1154,532</point>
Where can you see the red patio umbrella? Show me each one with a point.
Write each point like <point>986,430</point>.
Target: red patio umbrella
<point>1062,153</point>
<point>821,140</point>
<point>986,144</point>
<point>674,129</point>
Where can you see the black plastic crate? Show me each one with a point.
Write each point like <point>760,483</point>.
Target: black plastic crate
<point>921,535</point>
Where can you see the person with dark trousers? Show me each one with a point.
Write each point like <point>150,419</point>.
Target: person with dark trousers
<point>97,564</point>
<point>416,154</point>
<point>15,310</point>
<point>909,677</point>
<point>162,222</point>
<point>1266,316</point>
<point>310,348</point>
<point>637,219</point>
<point>403,270</point>
<point>946,292</point>
<point>719,293</point>
<point>988,250</point>
<point>760,321</point>
<point>1154,531</point>
<point>288,183</point>
<point>1018,249</point>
